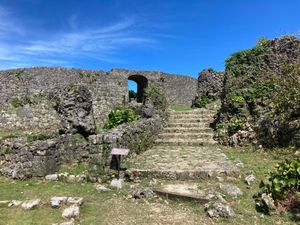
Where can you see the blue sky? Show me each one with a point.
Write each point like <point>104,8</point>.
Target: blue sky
<point>179,36</point>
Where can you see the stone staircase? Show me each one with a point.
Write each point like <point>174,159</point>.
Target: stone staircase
<point>184,150</point>
<point>189,128</point>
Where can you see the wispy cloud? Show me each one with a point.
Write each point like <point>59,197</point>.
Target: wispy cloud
<point>63,49</point>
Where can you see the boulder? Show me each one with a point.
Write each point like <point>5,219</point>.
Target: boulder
<point>57,201</point>
<point>231,190</point>
<point>75,201</point>
<point>52,177</point>
<point>219,210</point>
<point>143,193</point>
<point>15,203</point>
<point>117,183</point>
<point>250,179</point>
<point>31,204</point>
<point>71,212</point>
<point>74,105</point>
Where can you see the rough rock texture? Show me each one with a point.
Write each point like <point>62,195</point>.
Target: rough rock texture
<point>250,179</point>
<point>231,190</point>
<point>220,210</point>
<point>58,201</point>
<point>24,160</point>
<point>30,204</point>
<point>142,193</point>
<point>71,212</point>
<point>210,84</point>
<point>137,136</point>
<point>74,105</point>
<point>107,88</point>
<point>261,95</point>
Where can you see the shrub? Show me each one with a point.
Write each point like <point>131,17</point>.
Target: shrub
<point>157,97</point>
<point>120,115</point>
<point>202,102</point>
<point>235,124</point>
<point>286,178</point>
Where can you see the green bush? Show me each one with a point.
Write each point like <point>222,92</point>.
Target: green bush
<point>157,97</point>
<point>235,124</point>
<point>120,115</point>
<point>286,178</point>
<point>202,102</point>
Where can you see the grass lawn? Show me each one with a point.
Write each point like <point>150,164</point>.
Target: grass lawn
<point>181,108</point>
<point>115,207</point>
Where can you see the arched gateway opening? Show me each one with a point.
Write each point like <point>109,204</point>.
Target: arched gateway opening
<point>139,88</point>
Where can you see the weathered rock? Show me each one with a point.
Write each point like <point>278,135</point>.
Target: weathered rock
<point>15,203</point>
<point>71,212</point>
<point>117,183</point>
<point>74,105</point>
<point>75,201</point>
<point>30,204</point>
<point>250,179</point>
<point>28,159</point>
<point>101,188</point>
<point>58,201</point>
<point>231,190</point>
<point>143,193</point>
<point>52,177</point>
<point>210,84</point>
<point>267,204</point>
<point>219,210</point>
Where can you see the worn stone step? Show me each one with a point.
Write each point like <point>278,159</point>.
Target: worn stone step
<point>191,120</point>
<point>192,112</point>
<point>200,174</point>
<point>192,142</point>
<point>189,125</point>
<point>187,129</point>
<point>189,136</point>
<point>196,116</point>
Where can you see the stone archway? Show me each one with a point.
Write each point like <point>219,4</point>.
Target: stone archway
<point>142,83</point>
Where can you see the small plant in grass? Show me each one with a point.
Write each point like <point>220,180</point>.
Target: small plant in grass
<point>284,179</point>
<point>119,116</point>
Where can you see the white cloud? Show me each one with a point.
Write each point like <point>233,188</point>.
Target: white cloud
<point>58,48</point>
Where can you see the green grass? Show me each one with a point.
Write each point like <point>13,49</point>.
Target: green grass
<point>181,108</point>
<point>115,208</point>
<point>74,169</point>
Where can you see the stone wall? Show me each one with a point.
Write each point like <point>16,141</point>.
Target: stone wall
<point>210,84</point>
<point>21,159</point>
<point>107,89</point>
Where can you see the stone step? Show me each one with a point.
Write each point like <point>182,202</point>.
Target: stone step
<point>188,136</point>
<point>204,174</point>
<point>191,120</point>
<point>192,142</point>
<point>197,116</point>
<point>192,112</point>
<point>187,129</point>
<point>189,125</point>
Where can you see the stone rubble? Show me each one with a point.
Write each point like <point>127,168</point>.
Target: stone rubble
<point>250,179</point>
<point>31,204</point>
<point>71,212</point>
<point>231,190</point>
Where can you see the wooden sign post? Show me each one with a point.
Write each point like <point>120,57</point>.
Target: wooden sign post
<point>118,152</point>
